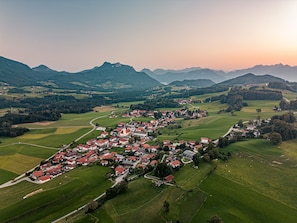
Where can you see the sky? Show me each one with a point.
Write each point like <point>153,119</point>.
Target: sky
<point>74,35</point>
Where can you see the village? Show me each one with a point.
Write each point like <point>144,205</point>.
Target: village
<point>132,140</point>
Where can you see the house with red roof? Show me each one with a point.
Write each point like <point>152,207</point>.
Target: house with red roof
<point>119,170</point>
<point>44,179</point>
<point>125,132</point>
<point>169,178</point>
<point>103,135</point>
<point>123,141</point>
<point>153,162</point>
<point>175,163</point>
<point>36,174</point>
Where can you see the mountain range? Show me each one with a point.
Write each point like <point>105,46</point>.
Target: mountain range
<point>119,77</point>
<point>285,72</point>
<point>168,76</point>
<point>104,78</point>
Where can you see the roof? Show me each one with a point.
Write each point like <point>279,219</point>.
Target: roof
<point>175,163</point>
<point>38,173</point>
<point>169,178</point>
<point>44,178</point>
<point>188,153</point>
<point>119,169</point>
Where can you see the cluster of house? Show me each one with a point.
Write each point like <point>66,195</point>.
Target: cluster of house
<point>184,101</point>
<point>182,113</point>
<point>251,130</point>
<point>132,136</point>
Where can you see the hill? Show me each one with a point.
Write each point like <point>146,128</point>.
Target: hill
<point>251,79</point>
<point>108,77</point>
<point>16,73</point>
<point>200,83</point>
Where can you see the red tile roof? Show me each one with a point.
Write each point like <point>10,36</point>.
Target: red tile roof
<point>38,173</point>
<point>169,178</point>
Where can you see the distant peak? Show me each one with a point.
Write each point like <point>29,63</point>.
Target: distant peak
<point>108,64</point>
<point>42,68</point>
<point>117,65</point>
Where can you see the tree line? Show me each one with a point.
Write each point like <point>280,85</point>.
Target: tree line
<point>280,128</point>
<point>159,102</point>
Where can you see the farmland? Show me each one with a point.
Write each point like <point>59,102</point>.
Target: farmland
<point>237,190</point>
<point>59,196</point>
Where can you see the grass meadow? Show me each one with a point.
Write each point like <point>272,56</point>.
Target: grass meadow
<point>249,187</point>
<point>216,125</point>
<point>59,196</point>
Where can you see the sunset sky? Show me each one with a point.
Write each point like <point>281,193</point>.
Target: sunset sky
<point>74,35</point>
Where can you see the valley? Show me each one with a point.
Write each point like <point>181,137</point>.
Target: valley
<point>198,194</point>
<point>180,152</point>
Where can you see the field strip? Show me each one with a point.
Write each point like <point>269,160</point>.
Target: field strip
<point>205,199</point>
<point>30,144</point>
<point>33,193</point>
<point>144,204</point>
<point>265,195</point>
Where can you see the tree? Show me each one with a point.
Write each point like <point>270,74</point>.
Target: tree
<point>166,206</point>
<point>196,159</point>
<point>240,123</point>
<point>223,142</point>
<point>162,170</point>
<point>275,138</point>
<point>206,157</point>
<point>92,206</point>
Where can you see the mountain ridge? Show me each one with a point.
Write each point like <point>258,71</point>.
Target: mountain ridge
<point>106,77</point>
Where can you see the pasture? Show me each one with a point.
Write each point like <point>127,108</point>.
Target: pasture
<point>216,125</point>
<point>6,176</point>
<point>249,187</point>
<point>148,207</point>
<point>60,196</point>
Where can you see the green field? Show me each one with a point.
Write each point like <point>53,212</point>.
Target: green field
<point>6,176</point>
<point>256,185</point>
<point>247,188</point>
<point>59,196</point>
<point>216,125</point>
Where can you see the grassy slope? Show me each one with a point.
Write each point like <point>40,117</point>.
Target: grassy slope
<point>216,125</point>
<point>60,196</point>
<point>236,203</point>
<point>247,188</point>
